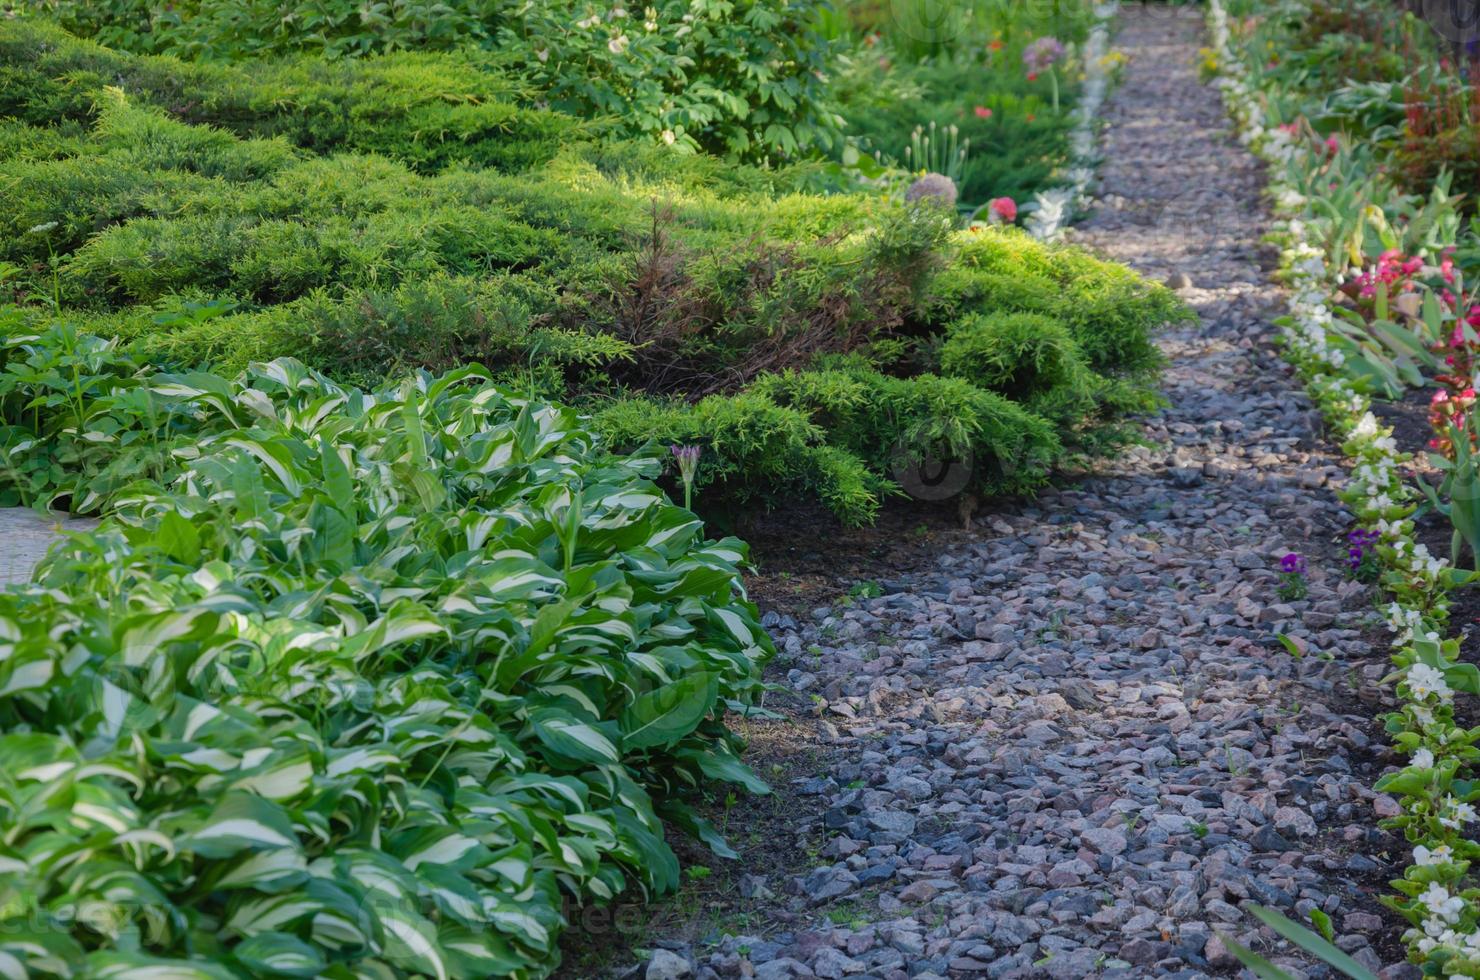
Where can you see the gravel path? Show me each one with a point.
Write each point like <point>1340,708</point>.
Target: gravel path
<point>1076,747</point>
<point>24,537</point>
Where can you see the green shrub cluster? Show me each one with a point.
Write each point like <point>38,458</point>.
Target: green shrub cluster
<point>807,341</point>
<point>347,683</point>
<point>743,78</point>
<point>427,110</point>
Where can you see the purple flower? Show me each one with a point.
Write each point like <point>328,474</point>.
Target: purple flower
<point>1043,54</point>
<point>1293,564</point>
<point>1361,543</point>
<point>688,468</point>
<point>933,187</point>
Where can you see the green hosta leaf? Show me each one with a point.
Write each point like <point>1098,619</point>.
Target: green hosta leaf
<point>286,777</point>
<point>267,871</point>
<point>241,821</point>
<point>685,817</point>
<point>135,966</point>
<point>440,846</point>
<point>649,852</point>
<point>478,952</point>
<point>726,768</point>
<point>143,635</point>
<point>277,954</point>
<point>333,540</point>
<point>575,740</point>
<point>411,942</point>
<point>668,713</point>
<point>178,538</point>
<point>26,671</point>
<point>270,913</point>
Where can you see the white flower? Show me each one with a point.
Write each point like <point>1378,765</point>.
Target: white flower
<point>588,23</point>
<point>617,44</point>
<point>543,54</point>
<point>669,137</point>
<point>1444,905</point>
<point>1424,857</point>
<point>1456,814</point>
<point>1425,682</point>
<point>1422,759</point>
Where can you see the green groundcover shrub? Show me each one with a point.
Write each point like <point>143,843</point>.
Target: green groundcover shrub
<point>428,110</point>
<point>661,294</point>
<point>742,78</point>
<point>348,683</point>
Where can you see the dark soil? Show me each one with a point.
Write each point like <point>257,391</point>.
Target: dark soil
<point>805,559</point>
<point>763,830</point>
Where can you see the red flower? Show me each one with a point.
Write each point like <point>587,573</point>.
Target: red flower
<point>1003,209</point>
<point>1032,76</point>
<point>982,112</point>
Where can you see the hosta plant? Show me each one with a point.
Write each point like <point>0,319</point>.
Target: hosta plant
<point>368,684</point>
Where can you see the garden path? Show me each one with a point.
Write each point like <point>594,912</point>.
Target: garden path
<point>1076,746</point>
<point>24,538</point>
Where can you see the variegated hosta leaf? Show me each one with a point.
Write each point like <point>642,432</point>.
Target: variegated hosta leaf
<point>362,689</point>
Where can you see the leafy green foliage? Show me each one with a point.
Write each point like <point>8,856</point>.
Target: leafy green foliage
<point>918,63</point>
<point>754,449</point>
<point>1319,947</point>
<point>354,682</point>
<point>429,110</point>
<point>1110,310</point>
<point>745,79</point>
<point>1027,357</point>
<point>226,244</point>
<point>889,421</point>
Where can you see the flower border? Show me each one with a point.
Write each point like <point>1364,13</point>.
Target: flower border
<point>1432,789</point>
<point>1057,206</point>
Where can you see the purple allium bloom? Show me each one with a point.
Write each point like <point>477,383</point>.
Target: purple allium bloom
<point>1042,54</point>
<point>1293,564</point>
<point>935,187</point>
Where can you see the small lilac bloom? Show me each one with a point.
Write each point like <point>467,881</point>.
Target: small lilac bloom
<point>688,468</point>
<point>1043,54</point>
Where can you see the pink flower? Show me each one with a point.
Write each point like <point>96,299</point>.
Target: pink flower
<point>982,112</point>
<point>1003,209</point>
<point>1032,76</point>
<point>1333,145</point>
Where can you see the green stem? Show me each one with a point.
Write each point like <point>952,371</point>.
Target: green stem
<point>1053,83</point>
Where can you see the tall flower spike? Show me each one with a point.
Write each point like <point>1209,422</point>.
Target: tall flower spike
<point>688,469</point>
